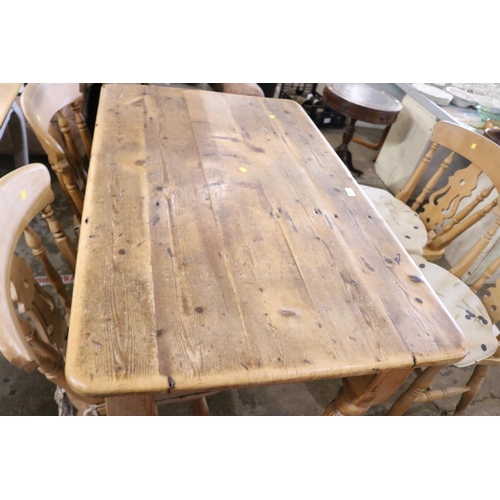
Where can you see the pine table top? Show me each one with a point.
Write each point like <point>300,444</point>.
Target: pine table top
<point>224,244</point>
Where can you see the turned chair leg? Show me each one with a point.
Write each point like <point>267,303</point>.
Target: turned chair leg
<point>358,394</point>
<point>420,384</point>
<point>474,383</point>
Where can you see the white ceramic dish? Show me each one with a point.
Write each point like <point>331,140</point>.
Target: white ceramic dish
<point>487,103</point>
<point>438,85</point>
<point>434,94</point>
<point>461,98</point>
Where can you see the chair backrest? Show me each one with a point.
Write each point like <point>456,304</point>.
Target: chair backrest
<point>40,102</point>
<point>490,296</point>
<point>439,209</point>
<point>41,342</point>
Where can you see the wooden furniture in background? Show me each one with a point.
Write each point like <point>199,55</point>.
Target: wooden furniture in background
<point>476,319</point>
<point>238,88</point>
<point>40,102</point>
<point>436,217</point>
<point>360,102</point>
<point>12,117</point>
<point>225,245</point>
<point>492,133</point>
<point>41,343</point>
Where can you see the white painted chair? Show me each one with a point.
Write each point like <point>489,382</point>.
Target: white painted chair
<point>435,218</point>
<point>475,317</point>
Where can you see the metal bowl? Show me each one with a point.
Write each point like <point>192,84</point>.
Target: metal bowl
<point>493,134</point>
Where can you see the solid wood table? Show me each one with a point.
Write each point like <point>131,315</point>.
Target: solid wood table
<point>11,116</point>
<point>225,245</point>
<point>360,102</point>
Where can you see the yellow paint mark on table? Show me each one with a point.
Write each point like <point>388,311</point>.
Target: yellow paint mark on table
<point>473,146</point>
<point>23,194</point>
<point>272,117</point>
<point>243,169</point>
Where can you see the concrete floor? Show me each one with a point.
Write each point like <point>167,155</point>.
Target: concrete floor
<point>32,394</point>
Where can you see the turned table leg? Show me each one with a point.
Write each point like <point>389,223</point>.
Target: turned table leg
<point>343,150</point>
<point>358,394</point>
<point>200,407</point>
<point>131,404</point>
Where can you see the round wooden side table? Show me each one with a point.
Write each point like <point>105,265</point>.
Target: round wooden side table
<point>360,102</point>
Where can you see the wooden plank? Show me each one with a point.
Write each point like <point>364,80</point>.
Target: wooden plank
<point>138,405</point>
<point>372,253</point>
<point>114,302</point>
<point>246,260</point>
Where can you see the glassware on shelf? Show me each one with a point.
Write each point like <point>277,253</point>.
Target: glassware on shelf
<point>482,88</point>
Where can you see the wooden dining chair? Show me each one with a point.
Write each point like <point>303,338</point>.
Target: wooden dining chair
<point>44,106</point>
<point>428,222</point>
<point>33,328</point>
<point>476,318</point>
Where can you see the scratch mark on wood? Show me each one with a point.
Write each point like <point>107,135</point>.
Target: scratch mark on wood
<point>367,265</point>
<point>291,222</point>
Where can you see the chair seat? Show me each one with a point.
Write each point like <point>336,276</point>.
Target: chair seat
<point>466,309</point>
<point>403,221</point>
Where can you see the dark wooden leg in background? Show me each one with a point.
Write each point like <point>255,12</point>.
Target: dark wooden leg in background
<point>381,142</point>
<point>358,394</point>
<point>18,136</point>
<point>200,407</point>
<point>343,151</point>
<point>377,147</point>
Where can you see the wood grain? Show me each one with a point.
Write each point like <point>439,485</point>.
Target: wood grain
<point>219,248</point>
<point>8,93</point>
<point>139,405</point>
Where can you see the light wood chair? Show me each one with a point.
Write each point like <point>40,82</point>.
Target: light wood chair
<point>40,102</point>
<point>436,217</point>
<point>476,318</point>
<point>33,330</point>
